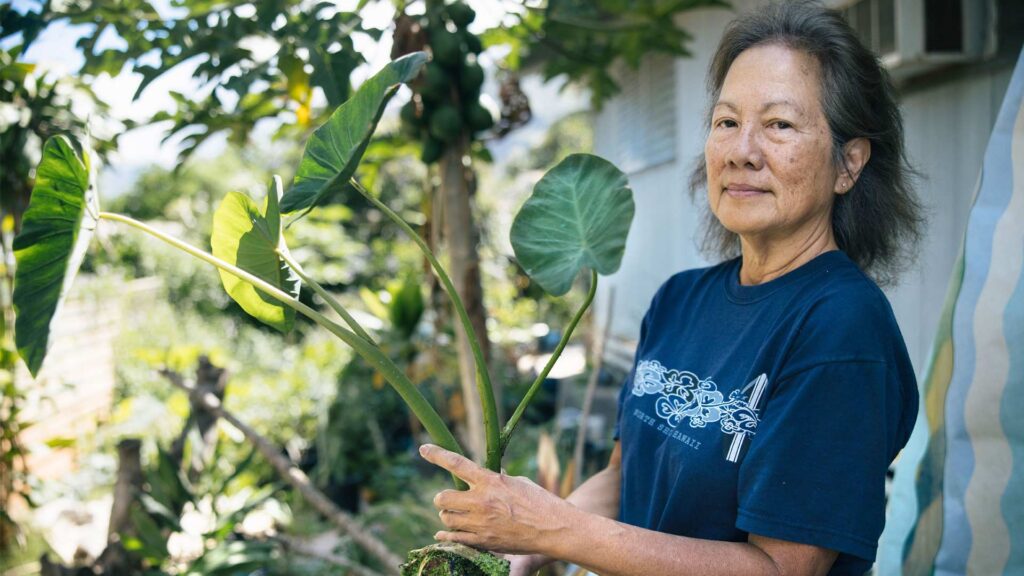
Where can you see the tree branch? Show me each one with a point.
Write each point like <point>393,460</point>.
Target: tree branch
<point>294,476</point>
<point>297,546</point>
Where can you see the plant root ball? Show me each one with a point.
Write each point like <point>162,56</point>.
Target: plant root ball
<point>448,559</point>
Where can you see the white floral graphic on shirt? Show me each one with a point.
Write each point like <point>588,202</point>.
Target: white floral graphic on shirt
<point>685,397</point>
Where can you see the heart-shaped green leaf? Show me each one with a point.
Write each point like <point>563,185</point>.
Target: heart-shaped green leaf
<point>334,150</point>
<point>55,232</point>
<point>251,239</point>
<point>578,216</point>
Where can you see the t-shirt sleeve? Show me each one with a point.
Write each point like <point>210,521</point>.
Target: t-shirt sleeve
<point>815,469</point>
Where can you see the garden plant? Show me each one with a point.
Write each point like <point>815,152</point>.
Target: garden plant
<point>577,218</point>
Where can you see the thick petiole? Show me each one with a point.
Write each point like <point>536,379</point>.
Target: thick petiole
<point>432,421</point>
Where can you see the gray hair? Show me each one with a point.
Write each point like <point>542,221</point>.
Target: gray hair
<point>879,222</point>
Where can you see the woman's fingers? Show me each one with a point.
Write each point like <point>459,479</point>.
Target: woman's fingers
<point>455,500</point>
<point>458,465</point>
<point>454,520</point>
<point>467,538</point>
<point>499,513</point>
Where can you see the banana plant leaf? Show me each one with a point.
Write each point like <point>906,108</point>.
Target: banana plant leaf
<point>250,238</point>
<point>55,234</point>
<point>334,150</point>
<point>578,216</point>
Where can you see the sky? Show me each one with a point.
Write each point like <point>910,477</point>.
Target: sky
<point>140,148</point>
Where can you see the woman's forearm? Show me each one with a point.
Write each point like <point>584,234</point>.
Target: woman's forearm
<point>598,542</point>
<point>515,515</point>
<point>599,494</point>
<point>610,548</point>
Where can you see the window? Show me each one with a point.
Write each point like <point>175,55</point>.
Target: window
<point>643,117</point>
<point>914,37</point>
<point>875,23</point>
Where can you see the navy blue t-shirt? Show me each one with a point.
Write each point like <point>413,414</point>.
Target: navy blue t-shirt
<point>773,409</point>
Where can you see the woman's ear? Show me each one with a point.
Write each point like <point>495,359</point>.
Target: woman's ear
<point>856,153</point>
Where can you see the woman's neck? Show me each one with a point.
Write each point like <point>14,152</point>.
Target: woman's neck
<point>766,260</point>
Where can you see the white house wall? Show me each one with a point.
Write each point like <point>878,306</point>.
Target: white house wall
<point>947,127</point>
<point>661,241</point>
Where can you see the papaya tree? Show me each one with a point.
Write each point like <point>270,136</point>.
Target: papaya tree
<point>446,117</point>
<point>577,219</point>
<point>579,39</point>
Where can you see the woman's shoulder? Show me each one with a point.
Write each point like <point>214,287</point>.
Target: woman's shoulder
<point>847,315</point>
<point>846,293</point>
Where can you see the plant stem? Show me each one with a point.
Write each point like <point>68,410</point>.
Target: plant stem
<point>601,338</point>
<point>334,304</point>
<point>483,380</point>
<point>510,426</point>
<point>432,422</point>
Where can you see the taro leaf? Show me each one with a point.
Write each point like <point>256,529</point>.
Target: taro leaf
<point>250,239</point>
<point>578,216</point>
<point>333,152</point>
<point>55,233</point>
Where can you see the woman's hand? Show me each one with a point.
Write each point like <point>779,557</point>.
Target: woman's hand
<point>499,513</point>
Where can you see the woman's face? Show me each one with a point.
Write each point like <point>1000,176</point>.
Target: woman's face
<point>769,150</point>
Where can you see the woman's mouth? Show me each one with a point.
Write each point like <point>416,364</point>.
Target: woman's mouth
<point>742,190</point>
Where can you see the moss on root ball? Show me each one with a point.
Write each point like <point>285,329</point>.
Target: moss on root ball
<point>447,559</point>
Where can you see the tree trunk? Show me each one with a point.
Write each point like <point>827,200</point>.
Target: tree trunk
<point>115,559</point>
<point>464,269</point>
<point>127,487</point>
<point>209,379</point>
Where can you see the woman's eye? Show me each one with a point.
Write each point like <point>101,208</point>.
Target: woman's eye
<point>781,124</point>
<point>726,123</point>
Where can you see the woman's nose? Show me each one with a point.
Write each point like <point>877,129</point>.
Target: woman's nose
<point>745,150</point>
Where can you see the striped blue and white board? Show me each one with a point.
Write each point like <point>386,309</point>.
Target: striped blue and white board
<point>957,505</point>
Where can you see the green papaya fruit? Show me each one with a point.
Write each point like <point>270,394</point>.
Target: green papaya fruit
<point>478,118</point>
<point>446,47</point>
<point>460,14</point>
<point>472,42</point>
<point>436,83</point>
<point>411,123</point>
<point>471,78</point>
<point>432,150</point>
<point>410,114</point>
<point>445,123</point>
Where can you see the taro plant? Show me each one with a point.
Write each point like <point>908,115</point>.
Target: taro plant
<point>577,217</point>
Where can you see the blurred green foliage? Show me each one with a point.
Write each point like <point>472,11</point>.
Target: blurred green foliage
<point>33,107</point>
<point>583,40</point>
<point>254,60</point>
<point>12,398</point>
<point>178,527</point>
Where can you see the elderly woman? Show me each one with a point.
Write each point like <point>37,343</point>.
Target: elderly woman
<point>770,392</point>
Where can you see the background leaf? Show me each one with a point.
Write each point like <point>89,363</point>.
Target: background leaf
<point>334,150</point>
<point>56,229</point>
<point>249,238</point>
<point>578,216</point>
